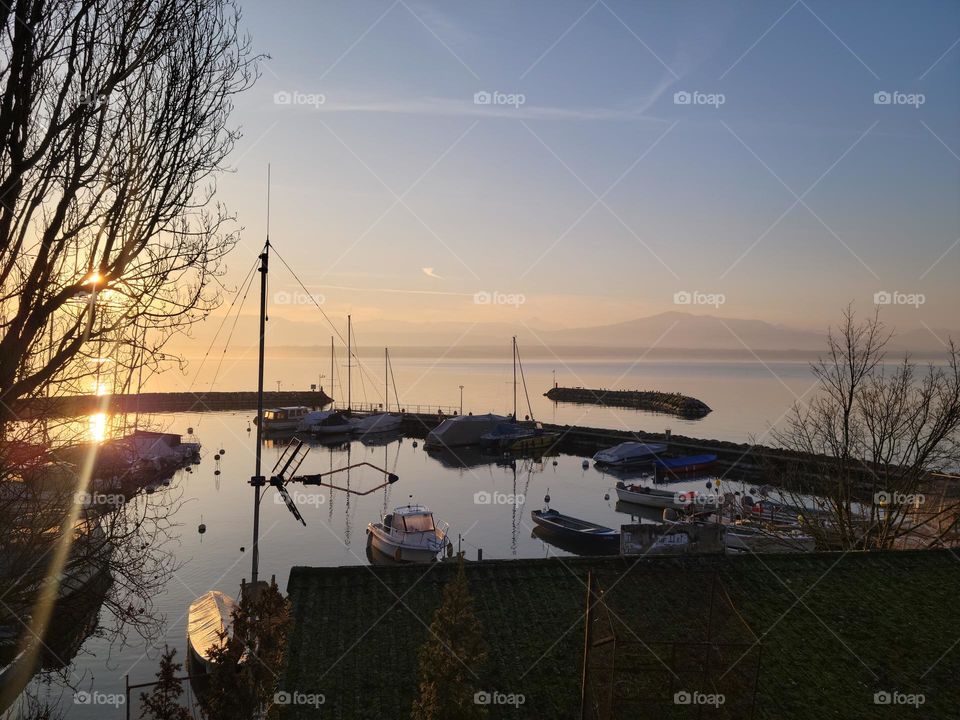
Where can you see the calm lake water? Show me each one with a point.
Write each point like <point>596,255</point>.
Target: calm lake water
<point>746,398</point>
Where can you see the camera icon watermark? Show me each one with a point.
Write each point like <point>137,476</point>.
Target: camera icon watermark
<point>895,297</point>
<point>695,297</point>
<point>495,297</point>
<point>687,697</point>
<point>483,497</point>
<point>301,498</point>
<point>284,697</point>
<point>695,97</point>
<point>284,297</point>
<point>495,97</point>
<point>889,499</point>
<point>896,97</point>
<point>295,97</point>
<point>492,697</point>
<point>95,697</point>
<point>895,697</point>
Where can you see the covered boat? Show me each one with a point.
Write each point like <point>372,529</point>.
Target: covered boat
<point>462,430</point>
<point>515,437</point>
<point>209,617</point>
<point>684,464</point>
<point>377,423</point>
<point>629,453</point>
<point>408,534</point>
<point>325,422</point>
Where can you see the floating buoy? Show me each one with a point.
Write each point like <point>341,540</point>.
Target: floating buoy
<point>216,457</point>
<point>709,484</point>
<point>546,498</point>
<point>586,464</point>
<point>189,431</point>
<point>222,451</point>
<point>202,528</point>
<point>248,427</point>
<point>554,463</point>
<point>216,472</point>
<point>415,443</point>
<point>242,549</point>
<point>606,496</point>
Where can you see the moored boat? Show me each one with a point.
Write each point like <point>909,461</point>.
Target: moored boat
<point>740,537</point>
<point>408,534</point>
<point>629,453</point>
<point>376,423</point>
<point>462,430</point>
<point>655,497</point>
<point>684,464</point>
<point>513,437</point>
<point>325,422</point>
<point>209,617</point>
<point>575,529</point>
<point>284,418</point>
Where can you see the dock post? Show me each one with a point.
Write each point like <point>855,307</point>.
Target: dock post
<point>479,554</point>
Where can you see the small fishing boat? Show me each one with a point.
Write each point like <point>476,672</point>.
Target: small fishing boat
<point>629,453</point>
<point>209,617</point>
<point>408,534</point>
<point>655,497</point>
<point>684,464</point>
<point>513,437</point>
<point>283,418</point>
<point>325,422</point>
<point>574,529</point>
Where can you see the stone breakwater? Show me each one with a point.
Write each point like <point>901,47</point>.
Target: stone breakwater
<point>672,403</point>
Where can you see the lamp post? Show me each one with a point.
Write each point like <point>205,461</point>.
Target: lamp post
<point>461,399</point>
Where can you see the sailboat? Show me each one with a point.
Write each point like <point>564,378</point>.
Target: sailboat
<point>512,436</point>
<point>384,421</point>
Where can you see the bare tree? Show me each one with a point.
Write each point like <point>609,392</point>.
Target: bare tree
<point>870,441</point>
<point>113,125</point>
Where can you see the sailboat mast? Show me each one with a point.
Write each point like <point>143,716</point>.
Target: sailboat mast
<point>386,380</point>
<point>331,368</point>
<point>349,360</point>
<point>258,481</point>
<point>514,378</point>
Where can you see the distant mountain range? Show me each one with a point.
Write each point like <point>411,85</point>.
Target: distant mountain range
<point>667,333</point>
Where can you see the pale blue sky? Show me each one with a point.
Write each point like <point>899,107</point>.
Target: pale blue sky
<point>694,197</point>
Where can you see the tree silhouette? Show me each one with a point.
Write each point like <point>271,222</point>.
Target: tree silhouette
<point>163,702</point>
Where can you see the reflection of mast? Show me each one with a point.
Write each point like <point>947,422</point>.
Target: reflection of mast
<point>349,362</point>
<point>513,511</point>
<point>346,517</point>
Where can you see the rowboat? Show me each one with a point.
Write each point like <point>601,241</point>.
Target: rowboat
<point>574,529</point>
<point>408,534</point>
<point>209,622</point>
<point>655,497</point>
<point>629,453</point>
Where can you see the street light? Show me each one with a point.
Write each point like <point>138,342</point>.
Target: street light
<point>461,399</point>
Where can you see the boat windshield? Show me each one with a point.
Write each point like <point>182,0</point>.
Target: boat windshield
<point>418,523</point>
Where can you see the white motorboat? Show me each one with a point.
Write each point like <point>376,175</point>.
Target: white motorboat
<point>629,453</point>
<point>325,422</point>
<point>377,423</point>
<point>657,498</point>
<point>408,534</point>
<point>209,622</point>
<point>284,418</point>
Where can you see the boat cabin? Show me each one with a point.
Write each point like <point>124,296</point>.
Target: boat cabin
<point>285,414</point>
<point>410,519</point>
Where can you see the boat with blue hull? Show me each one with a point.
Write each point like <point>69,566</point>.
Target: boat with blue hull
<point>684,464</point>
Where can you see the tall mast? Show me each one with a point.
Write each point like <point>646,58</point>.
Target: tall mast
<point>258,481</point>
<point>386,380</point>
<point>349,361</point>
<point>514,378</point>
<point>331,369</point>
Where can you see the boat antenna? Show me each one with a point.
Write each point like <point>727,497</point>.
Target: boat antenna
<point>258,481</point>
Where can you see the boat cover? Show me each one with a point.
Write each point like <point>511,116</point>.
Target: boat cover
<point>209,615</point>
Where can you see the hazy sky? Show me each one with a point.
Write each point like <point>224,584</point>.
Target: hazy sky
<point>586,190</point>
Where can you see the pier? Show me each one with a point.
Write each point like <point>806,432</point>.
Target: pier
<point>671,403</point>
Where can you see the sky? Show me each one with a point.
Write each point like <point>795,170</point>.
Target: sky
<point>566,164</point>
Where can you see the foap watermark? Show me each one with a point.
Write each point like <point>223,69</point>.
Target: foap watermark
<point>284,697</point>
<point>695,297</point>
<point>687,697</point>
<point>482,497</point>
<point>896,97</point>
<point>887,499</point>
<point>93,101</point>
<point>295,97</point>
<point>895,697</point>
<point>95,697</point>
<point>895,297</point>
<point>99,499</point>
<point>484,97</point>
<point>695,97</point>
<point>483,297</point>
<point>301,498</point>
<point>492,697</point>
<point>284,297</point>
<point>694,497</point>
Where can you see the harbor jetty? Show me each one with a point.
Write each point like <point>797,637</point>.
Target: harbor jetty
<point>672,403</point>
<point>76,405</point>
